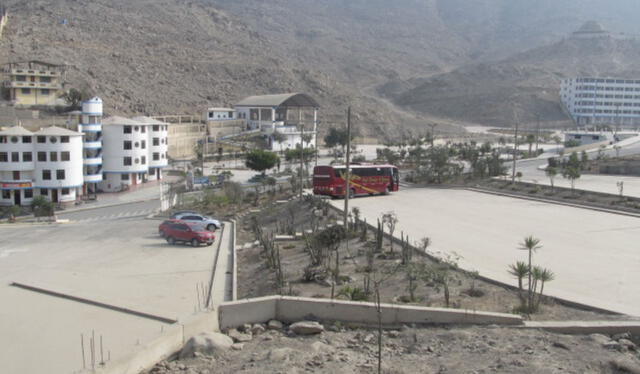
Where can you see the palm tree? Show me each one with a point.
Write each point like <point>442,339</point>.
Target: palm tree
<point>545,275</point>
<point>519,270</point>
<point>530,244</point>
<point>551,173</point>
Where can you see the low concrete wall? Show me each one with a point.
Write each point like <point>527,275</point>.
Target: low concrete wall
<point>236,313</point>
<point>586,327</point>
<point>170,342</point>
<point>292,309</point>
<point>234,258</point>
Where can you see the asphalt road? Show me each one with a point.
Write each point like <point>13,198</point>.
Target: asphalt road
<point>593,254</point>
<point>124,211</point>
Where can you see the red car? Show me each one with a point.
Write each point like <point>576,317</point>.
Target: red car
<point>177,231</point>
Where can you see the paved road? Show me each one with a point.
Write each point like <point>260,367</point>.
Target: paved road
<point>594,255</point>
<point>131,210</point>
<point>116,261</point>
<point>599,183</point>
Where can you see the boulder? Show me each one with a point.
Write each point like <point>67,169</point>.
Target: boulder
<point>628,344</point>
<point>207,344</point>
<point>624,335</point>
<point>599,338</point>
<point>239,337</point>
<point>257,329</point>
<point>274,325</point>
<point>306,328</point>
<point>280,354</point>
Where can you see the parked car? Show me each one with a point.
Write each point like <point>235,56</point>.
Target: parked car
<point>175,231</point>
<point>181,212</point>
<point>207,222</point>
<point>164,226</point>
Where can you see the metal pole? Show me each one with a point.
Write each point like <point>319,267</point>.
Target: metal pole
<point>347,186</point>
<point>84,363</point>
<point>515,149</point>
<point>301,158</point>
<point>537,133</point>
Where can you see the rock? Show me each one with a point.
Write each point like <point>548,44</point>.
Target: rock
<point>306,328</point>
<point>612,344</point>
<point>599,338</point>
<point>369,338</point>
<point>237,346</point>
<point>246,328</point>
<point>320,347</point>
<point>393,334</point>
<point>280,354</point>
<point>561,345</point>
<point>334,328</point>
<point>625,365</point>
<point>206,344</point>
<point>624,335</point>
<point>628,344</point>
<point>275,325</point>
<point>257,329</point>
<point>238,337</point>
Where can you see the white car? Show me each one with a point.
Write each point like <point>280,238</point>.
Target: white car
<point>207,222</point>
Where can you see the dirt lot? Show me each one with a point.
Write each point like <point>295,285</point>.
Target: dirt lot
<point>413,350</point>
<point>256,278</point>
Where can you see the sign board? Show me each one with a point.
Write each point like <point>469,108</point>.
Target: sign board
<point>16,185</point>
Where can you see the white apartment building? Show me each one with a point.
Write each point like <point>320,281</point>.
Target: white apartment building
<point>606,101</point>
<point>219,114</point>
<point>90,125</point>
<point>47,163</point>
<point>134,152</point>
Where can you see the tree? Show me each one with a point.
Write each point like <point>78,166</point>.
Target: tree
<point>544,275</point>
<point>531,245</point>
<point>75,97</point>
<point>261,160</point>
<point>519,270</point>
<point>530,140</point>
<point>336,137</point>
<point>42,206</point>
<point>572,173</point>
<point>551,173</point>
<point>584,159</point>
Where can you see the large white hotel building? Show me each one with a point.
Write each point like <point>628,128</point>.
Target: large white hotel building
<point>63,165</point>
<point>610,101</point>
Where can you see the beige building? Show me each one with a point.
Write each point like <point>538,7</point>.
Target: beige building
<point>183,135</point>
<point>33,83</point>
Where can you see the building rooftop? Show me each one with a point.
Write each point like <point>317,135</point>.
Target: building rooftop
<point>120,121</point>
<point>221,109</point>
<point>16,130</point>
<point>148,120</point>
<point>57,131</point>
<point>280,100</point>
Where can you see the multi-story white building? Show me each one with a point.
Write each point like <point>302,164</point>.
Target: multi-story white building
<point>607,101</point>
<point>90,125</point>
<point>134,152</point>
<point>47,163</point>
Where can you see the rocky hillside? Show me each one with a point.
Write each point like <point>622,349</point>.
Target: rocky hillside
<point>180,56</point>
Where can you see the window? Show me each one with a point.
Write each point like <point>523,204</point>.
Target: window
<point>28,194</point>
<point>144,160</point>
<point>53,139</point>
<point>42,139</point>
<point>156,156</point>
<point>53,156</point>
<point>143,129</point>
<point>124,177</point>
<point>127,144</point>
<point>15,156</point>
<point>44,92</point>
<point>60,174</point>
<point>3,139</point>
<point>27,156</point>
<point>127,161</point>
<point>64,139</point>
<point>136,128</point>
<point>14,139</point>
<point>137,161</point>
<point>4,157</point>
<point>137,144</point>
<point>6,194</point>
<point>65,191</point>
<point>42,156</point>
<point>156,141</point>
<point>26,91</point>
<point>45,80</point>
<point>65,156</point>
<point>16,175</point>
<point>143,144</point>
<point>46,175</point>
<point>44,192</point>
<point>155,128</point>
<point>21,78</point>
<point>126,129</point>
<point>26,139</point>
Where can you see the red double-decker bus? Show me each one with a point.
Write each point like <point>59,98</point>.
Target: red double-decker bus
<point>365,179</point>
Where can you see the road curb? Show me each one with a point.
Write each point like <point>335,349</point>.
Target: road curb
<point>105,206</point>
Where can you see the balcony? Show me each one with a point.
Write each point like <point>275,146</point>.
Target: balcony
<point>35,85</point>
<point>95,161</point>
<point>92,144</point>
<point>90,127</point>
<point>93,178</point>
<point>33,72</point>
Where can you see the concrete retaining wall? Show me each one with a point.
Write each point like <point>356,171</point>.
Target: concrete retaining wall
<point>586,327</point>
<point>291,309</point>
<point>170,342</point>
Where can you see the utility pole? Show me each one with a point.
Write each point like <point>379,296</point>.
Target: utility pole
<point>433,134</point>
<point>515,149</point>
<point>347,184</point>
<point>301,159</point>
<point>537,132</point>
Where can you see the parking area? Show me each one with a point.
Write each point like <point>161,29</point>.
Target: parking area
<point>120,262</point>
<point>593,254</point>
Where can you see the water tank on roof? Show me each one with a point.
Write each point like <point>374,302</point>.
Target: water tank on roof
<point>92,106</point>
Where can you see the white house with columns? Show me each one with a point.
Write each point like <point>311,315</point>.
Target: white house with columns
<point>291,115</point>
